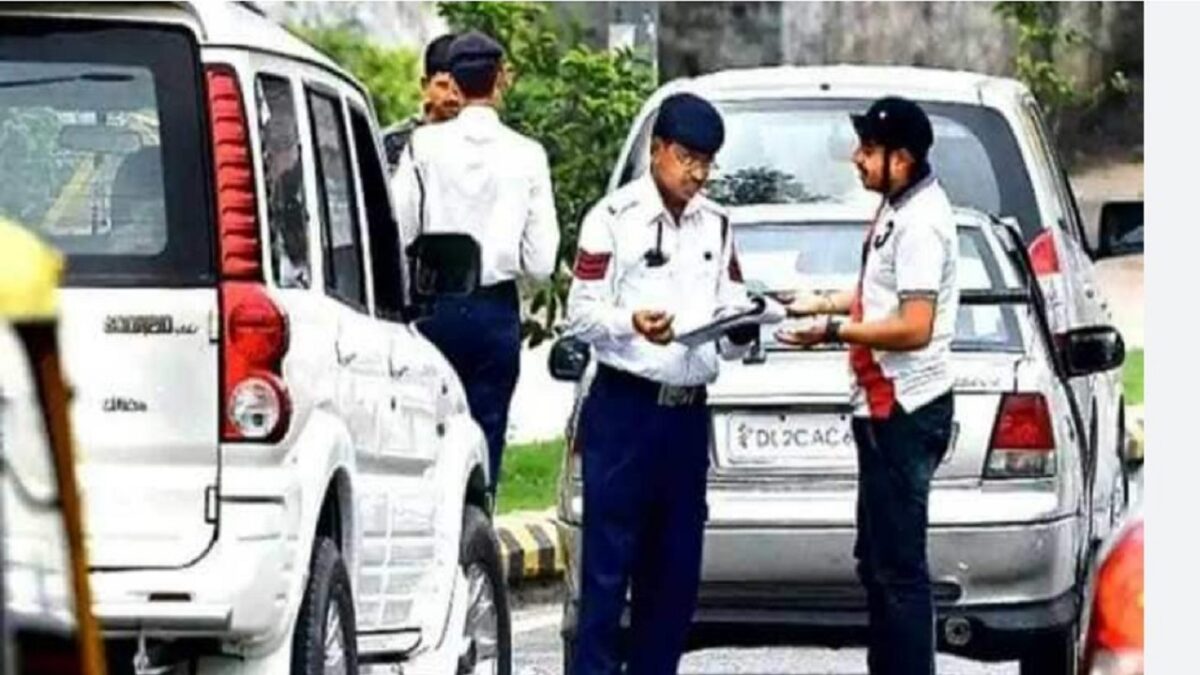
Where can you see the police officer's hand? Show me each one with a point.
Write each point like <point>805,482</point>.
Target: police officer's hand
<point>654,325</point>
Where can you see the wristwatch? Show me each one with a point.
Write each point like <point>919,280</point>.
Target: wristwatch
<point>832,329</point>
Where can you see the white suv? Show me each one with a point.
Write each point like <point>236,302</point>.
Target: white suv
<point>270,453</point>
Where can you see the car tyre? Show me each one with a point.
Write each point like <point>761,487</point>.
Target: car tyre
<point>487,630</point>
<point>325,640</point>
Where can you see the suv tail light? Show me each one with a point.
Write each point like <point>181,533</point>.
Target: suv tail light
<point>1115,641</point>
<point>255,404</point>
<point>1022,444</point>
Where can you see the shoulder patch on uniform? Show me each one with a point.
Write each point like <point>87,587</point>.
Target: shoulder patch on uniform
<point>591,266</point>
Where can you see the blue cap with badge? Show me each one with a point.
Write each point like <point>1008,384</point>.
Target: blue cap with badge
<point>473,51</point>
<point>692,122</point>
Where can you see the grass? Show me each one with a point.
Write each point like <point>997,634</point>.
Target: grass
<point>1135,378</point>
<point>529,477</point>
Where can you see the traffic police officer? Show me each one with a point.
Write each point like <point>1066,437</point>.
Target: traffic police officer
<point>902,319</point>
<point>440,102</point>
<point>654,256</point>
<point>474,175</point>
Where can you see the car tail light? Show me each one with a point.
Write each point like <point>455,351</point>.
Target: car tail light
<point>1043,255</point>
<point>1022,444</point>
<point>1115,641</point>
<point>255,405</point>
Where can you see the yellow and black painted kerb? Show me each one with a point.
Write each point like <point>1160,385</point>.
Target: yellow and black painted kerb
<point>529,547</point>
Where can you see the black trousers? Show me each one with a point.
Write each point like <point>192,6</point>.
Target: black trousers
<point>480,335</point>
<point>897,457</point>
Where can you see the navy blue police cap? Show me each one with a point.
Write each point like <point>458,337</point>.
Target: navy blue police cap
<point>472,51</point>
<point>896,123</point>
<point>692,122</point>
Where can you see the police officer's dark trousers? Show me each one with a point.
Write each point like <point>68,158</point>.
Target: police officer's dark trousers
<point>480,335</point>
<point>645,467</point>
<point>897,457</point>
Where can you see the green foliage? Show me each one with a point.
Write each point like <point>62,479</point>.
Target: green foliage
<point>1040,39</point>
<point>760,185</point>
<point>577,101</point>
<point>392,76</point>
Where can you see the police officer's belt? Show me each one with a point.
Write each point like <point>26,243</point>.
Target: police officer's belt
<point>662,394</point>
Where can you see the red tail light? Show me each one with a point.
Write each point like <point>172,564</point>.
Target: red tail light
<point>1116,641</point>
<point>237,214</point>
<point>1022,443</point>
<point>1043,255</point>
<point>255,405</point>
<point>255,401</point>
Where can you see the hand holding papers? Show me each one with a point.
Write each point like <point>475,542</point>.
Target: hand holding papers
<point>760,310</point>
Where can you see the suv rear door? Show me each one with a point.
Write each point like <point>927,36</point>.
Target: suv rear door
<point>103,135</point>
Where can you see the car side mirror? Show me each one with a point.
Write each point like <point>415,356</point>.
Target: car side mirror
<point>443,265</point>
<point>569,358</point>
<point>1121,230</point>
<point>1091,350</point>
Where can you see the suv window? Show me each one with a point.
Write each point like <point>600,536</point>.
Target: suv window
<point>100,134</point>
<point>384,234</point>
<point>283,173</point>
<point>340,235</point>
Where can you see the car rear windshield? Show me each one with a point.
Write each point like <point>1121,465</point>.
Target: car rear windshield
<point>788,151</point>
<point>827,256</point>
<point>101,135</point>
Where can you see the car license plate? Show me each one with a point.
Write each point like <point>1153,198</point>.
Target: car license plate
<point>790,439</point>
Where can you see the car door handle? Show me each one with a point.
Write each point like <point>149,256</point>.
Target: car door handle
<point>343,359</point>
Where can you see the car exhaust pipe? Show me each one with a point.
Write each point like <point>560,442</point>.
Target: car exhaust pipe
<point>957,631</point>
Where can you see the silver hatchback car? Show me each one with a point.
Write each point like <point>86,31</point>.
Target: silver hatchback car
<point>1034,477</point>
<point>1006,533</point>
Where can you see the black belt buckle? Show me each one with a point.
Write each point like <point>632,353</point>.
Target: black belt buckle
<point>672,396</point>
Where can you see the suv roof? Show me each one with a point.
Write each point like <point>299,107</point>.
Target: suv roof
<point>216,24</point>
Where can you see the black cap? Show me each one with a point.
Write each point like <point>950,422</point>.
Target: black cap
<point>692,122</point>
<point>437,55</point>
<point>472,50</point>
<point>896,123</point>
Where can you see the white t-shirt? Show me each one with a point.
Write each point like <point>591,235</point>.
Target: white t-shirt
<point>912,251</point>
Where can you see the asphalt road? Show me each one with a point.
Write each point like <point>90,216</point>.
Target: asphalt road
<point>538,651</point>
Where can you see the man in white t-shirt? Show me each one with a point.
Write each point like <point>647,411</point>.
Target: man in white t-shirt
<point>902,318</point>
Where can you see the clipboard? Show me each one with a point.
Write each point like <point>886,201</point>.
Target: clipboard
<point>757,313</point>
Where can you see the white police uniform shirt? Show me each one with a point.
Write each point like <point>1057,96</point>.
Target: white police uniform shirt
<point>912,251</point>
<point>479,177</point>
<point>613,279</point>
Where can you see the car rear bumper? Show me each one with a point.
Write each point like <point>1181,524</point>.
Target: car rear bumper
<point>795,583</point>
<point>236,591</point>
<point>990,632</point>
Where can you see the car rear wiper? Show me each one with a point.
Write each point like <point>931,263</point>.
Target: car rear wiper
<point>83,77</point>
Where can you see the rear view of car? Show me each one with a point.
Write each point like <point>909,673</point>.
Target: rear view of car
<point>102,130</point>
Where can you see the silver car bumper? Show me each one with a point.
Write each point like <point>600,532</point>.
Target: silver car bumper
<point>780,563</point>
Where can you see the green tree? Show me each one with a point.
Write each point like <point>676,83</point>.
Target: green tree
<point>392,76</point>
<point>1041,39</point>
<point>577,101</point>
